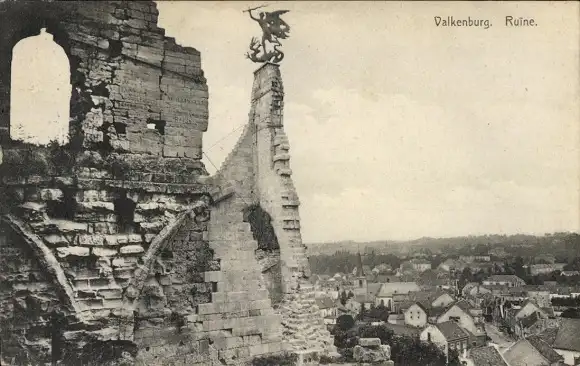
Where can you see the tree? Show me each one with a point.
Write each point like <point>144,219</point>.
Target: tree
<point>362,312</point>
<point>343,297</point>
<point>350,295</point>
<point>436,261</point>
<point>519,269</point>
<point>345,322</point>
<point>573,313</point>
<point>407,350</point>
<point>376,331</point>
<point>465,277</point>
<point>574,265</point>
<point>453,358</point>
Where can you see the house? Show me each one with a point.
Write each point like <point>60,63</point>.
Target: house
<point>382,268</point>
<point>367,295</point>
<point>529,307</point>
<point>416,264</point>
<point>484,356</point>
<point>388,290</point>
<point>396,319</point>
<point>561,292</point>
<point>570,273</point>
<point>462,313</point>
<point>504,280</point>
<point>474,258</point>
<point>364,299</point>
<point>565,339</point>
<point>326,306</point>
<point>536,269</point>
<point>498,252</point>
<point>329,320</point>
<point>416,315</point>
<point>532,351</point>
<point>473,289</point>
<point>452,264</point>
<point>434,298</point>
<point>433,279</point>
<point>533,324</point>
<point>447,335</point>
<point>540,295</point>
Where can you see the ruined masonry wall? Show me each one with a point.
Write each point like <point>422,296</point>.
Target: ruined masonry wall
<point>274,185</point>
<point>167,329</point>
<point>206,296</point>
<point>25,319</point>
<point>125,75</point>
<point>243,292</point>
<point>303,328</point>
<point>259,166</point>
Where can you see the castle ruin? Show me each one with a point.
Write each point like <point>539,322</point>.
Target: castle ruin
<point>118,245</point>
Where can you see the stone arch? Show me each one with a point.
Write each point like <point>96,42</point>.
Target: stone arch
<point>46,260</point>
<point>137,282</point>
<point>177,231</point>
<point>33,294</point>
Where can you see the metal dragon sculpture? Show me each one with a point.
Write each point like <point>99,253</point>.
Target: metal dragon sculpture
<point>273,29</point>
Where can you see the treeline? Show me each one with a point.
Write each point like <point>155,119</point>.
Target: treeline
<point>520,250</point>
<point>563,245</point>
<point>566,301</point>
<point>517,266</point>
<point>344,262</point>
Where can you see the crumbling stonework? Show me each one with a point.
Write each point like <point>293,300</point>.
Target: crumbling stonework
<point>370,351</point>
<point>262,153</point>
<point>118,243</point>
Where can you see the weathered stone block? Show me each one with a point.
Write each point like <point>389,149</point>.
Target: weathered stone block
<point>50,194</point>
<point>77,251</point>
<point>90,240</point>
<point>132,249</point>
<point>104,252</point>
<point>369,342</point>
<point>363,354</point>
<point>213,276</point>
<point>56,240</point>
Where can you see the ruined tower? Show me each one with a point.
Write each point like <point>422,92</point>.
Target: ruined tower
<point>117,245</point>
<point>262,153</point>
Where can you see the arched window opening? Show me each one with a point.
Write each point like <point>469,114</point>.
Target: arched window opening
<point>40,91</point>
<point>125,211</point>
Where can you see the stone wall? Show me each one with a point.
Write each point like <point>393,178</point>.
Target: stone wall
<point>124,74</point>
<point>117,246</point>
<point>28,298</point>
<point>90,219</point>
<point>258,173</point>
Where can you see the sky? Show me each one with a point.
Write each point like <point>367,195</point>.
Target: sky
<point>400,129</point>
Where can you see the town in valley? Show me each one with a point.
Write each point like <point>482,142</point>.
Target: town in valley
<point>484,300</point>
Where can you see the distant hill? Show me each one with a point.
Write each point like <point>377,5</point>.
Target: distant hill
<point>558,243</point>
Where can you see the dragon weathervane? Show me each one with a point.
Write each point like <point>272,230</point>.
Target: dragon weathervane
<point>273,29</point>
